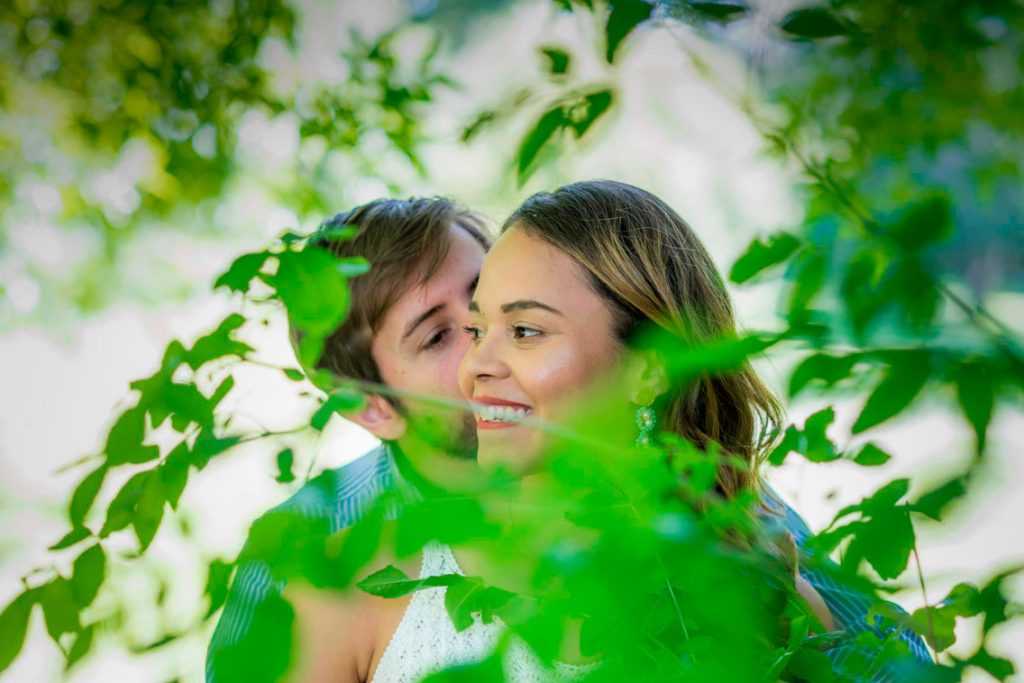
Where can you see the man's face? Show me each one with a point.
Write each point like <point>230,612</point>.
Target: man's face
<point>420,344</point>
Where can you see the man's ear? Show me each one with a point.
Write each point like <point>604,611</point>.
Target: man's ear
<point>647,377</point>
<point>380,418</point>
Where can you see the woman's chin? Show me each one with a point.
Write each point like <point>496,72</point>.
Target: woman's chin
<point>499,454</point>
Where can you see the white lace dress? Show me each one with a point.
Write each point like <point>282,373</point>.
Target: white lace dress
<point>426,640</point>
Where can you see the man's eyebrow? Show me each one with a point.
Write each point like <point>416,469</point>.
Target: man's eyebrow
<point>411,327</point>
<point>525,304</point>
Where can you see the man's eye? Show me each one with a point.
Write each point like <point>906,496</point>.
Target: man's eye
<point>524,332</point>
<point>475,333</point>
<point>435,339</point>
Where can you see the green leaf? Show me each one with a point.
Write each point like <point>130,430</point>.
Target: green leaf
<point>936,502</point>
<point>13,626</point>
<point>209,445</point>
<point>353,266</point>
<point>922,224</point>
<point>87,575</point>
<point>908,372</point>
<point>829,370</point>
<point>340,401</point>
<point>389,582</point>
<point>461,600</point>
<point>312,289</point>
<point>218,579</point>
<point>811,665</point>
<point>558,60</point>
<point>886,541</point>
<point>71,538</point>
<point>174,473</point>
<point>885,498</point>
<point>871,455</point>
<point>813,22</point>
<point>762,255</point>
<point>85,495</point>
<point>976,393</point>
<point>294,374</point>
<point>122,509</point>
<point>124,442</point>
<point>552,121</point>
<point>792,441</point>
<point>593,106</point>
<point>149,511</point>
<point>220,343</point>
<point>717,11</point>
<point>81,647</point>
<point>625,15</point>
<point>285,460</point>
<point>60,609</point>
<point>242,272</point>
<point>819,448</point>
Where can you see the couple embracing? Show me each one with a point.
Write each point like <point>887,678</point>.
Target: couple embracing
<point>523,330</point>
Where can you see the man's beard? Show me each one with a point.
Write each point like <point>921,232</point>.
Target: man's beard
<point>456,439</point>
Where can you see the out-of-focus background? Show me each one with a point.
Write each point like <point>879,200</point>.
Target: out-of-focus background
<point>110,243</point>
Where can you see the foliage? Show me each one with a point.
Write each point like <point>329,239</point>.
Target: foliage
<point>895,117</point>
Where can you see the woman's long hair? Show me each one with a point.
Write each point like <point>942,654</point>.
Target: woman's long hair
<point>647,263</point>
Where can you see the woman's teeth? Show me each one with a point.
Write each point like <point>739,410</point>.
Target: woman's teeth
<point>500,413</point>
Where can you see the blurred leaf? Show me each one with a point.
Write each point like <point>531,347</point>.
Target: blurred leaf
<point>871,455</point>
<point>121,511</point>
<point>294,375</point>
<point>908,372</point>
<point>285,460</point>
<point>340,401</point>
<point>829,370</point>
<point>81,647</point>
<point>976,392</point>
<point>819,448</point>
<point>935,502</point>
<point>219,344</point>
<point>217,581</point>
<point>624,16</point>
<point>886,541</point>
<point>792,441</point>
<point>264,652</point>
<point>87,575</point>
<point>717,11</point>
<point>124,442</point>
<point>59,608</point>
<point>558,60</point>
<point>209,445</point>
<point>13,626</point>
<point>552,121</point>
<point>922,224</point>
<point>762,255</point>
<point>811,665</point>
<point>242,272</point>
<point>149,510</point>
<point>174,473</point>
<point>593,106</point>
<point>813,22</point>
<point>85,495</point>
<point>74,536</point>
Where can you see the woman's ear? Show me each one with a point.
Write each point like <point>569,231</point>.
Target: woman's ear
<point>646,376</point>
<point>379,417</point>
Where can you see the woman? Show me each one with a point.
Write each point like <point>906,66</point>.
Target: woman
<point>565,296</point>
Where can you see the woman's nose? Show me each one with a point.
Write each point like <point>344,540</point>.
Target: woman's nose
<point>484,360</point>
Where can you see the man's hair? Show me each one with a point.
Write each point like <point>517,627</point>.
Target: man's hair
<point>405,241</point>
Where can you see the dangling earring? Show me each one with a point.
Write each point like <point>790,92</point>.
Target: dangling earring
<point>646,420</point>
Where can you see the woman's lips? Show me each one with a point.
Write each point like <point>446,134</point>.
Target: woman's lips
<point>496,413</point>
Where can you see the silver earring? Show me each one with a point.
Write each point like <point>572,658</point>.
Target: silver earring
<point>646,420</point>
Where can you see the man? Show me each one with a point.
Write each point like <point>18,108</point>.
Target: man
<point>403,333</point>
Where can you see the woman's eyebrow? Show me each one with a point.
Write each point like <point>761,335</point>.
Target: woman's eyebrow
<point>525,304</point>
<point>518,305</point>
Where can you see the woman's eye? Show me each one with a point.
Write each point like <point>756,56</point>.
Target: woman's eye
<point>523,332</point>
<point>435,339</point>
<point>475,333</point>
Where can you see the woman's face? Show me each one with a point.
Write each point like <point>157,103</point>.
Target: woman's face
<point>540,337</point>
